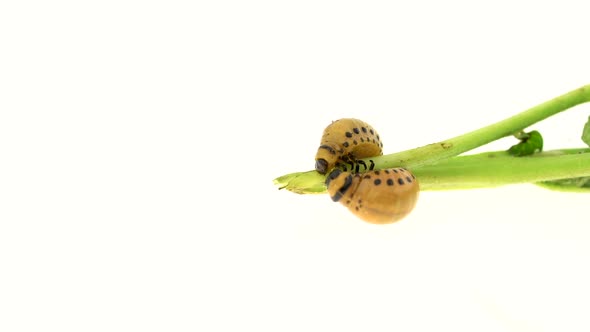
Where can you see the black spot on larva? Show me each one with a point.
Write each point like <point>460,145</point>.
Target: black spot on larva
<point>348,201</point>
<point>381,144</point>
<point>390,182</point>
<point>356,208</point>
<point>345,144</point>
<point>362,139</point>
<point>329,148</point>
<point>386,171</point>
<point>364,129</point>
<point>378,138</point>
<point>356,130</point>
<point>360,201</point>
<point>372,132</point>
<point>376,172</point>
<point>367,177</point>
<point>408,179</point>
<point>377,182</point>
<point>400,181</point>
<point>342,190</point>
<point>348,134</point>
<point>374,140</point>
<point>334,174</point>
<point>395,171</point>
<point>355,142</point>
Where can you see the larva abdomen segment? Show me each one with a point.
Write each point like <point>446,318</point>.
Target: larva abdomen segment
<point>347,139</point>
<point>379,197</point>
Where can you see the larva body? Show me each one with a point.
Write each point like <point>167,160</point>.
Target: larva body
<point>344,140</point>
<point>378,197</point>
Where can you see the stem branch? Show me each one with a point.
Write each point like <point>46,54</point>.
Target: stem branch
<point>434,169</point>
<point>457,145</point>
<point>489,169</point>
<point>492,169</point>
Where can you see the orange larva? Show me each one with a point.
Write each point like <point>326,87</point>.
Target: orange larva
<point>378,197</point>
<point>344,140</point>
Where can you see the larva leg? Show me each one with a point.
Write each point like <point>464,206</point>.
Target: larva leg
<point>360,162</point>
<point>341,166</point>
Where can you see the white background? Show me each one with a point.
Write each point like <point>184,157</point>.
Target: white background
<point>139,141</point>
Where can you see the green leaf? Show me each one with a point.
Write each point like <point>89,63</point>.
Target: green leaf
<point>586,132</point>
<point>529,143</point>
<point>581,184</point>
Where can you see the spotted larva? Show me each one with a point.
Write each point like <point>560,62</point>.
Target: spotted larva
<point>344,140</point>
<point>379,197</point>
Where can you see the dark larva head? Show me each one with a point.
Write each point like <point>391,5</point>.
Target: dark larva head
<point>377,196</point>
<point>344,139</point>
<point>321,165</point>
<point>327,156</point>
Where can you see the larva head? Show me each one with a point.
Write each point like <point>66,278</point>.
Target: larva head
<point>327,156</point>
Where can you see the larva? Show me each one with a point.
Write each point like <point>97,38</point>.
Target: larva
<point>379,197</point>
<point>344,140</point>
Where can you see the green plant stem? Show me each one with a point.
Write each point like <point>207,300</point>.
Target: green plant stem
<point>312,182</point>
<point>489,169</point>
<point>457,145</point>
<point>493,169</point>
